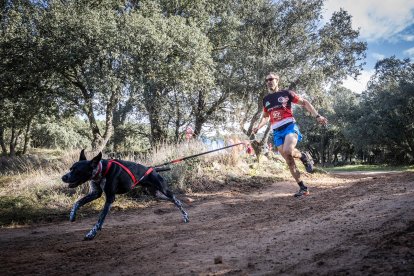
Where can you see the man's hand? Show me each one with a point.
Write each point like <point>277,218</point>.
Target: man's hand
<point>254,130</point>
<point>322,120</point>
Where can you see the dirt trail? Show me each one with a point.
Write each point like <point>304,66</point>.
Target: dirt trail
<point>355,224</point>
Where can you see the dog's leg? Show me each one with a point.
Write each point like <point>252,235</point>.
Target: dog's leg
<point>161,186</point>
<point>98,226</point>
<point>160,195</point>
<point>94,192</point>
<point>180,206</point>
<point>171,197</point>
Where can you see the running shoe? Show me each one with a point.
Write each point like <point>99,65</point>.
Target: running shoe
<point>307,161</point>
<point>302,192</point>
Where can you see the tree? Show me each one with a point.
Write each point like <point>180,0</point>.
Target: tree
<point>284,36</point>
<point>168,64</point>
<point>169,56</point>
<point>82,44</point>
<point>385,129</point>
<point>327,143</point>
<point>23,80</point>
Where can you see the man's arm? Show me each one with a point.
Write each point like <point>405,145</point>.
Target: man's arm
<point>265,120</point>
<point>309,107</point>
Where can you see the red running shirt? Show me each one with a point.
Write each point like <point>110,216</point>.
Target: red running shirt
<point>279,107</point>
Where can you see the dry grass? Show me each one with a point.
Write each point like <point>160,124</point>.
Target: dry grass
<point>33,191</point>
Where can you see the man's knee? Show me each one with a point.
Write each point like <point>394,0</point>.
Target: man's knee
<point>288,153</point>
<point>283,153</point>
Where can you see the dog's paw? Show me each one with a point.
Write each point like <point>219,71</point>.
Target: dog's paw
<point>90,236</point>
<point>72,217</point>
<point>186,219</point>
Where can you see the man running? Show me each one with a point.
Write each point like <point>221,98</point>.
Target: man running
<point>277,106</point>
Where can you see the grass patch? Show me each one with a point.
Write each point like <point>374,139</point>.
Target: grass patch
<point>366,168</point>
<point>17,210</point>
<point>48,154</point>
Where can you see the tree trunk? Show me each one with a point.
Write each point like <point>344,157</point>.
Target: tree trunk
<point>155,104</point>
<point>410,145</point>
<point>27,136</point>
<point>198,113</point>
<point>258,145</point>
<point>203,113</point>
<point>329,159</point>
<point>199,121</point>
<point>13,141</point>
<point>2,143</point>
<point>177,130</point>
<point>119,118</point>
<point>98,141</point>
<point>178,120</point>
<point>110,107</point>
<point>96,135</point>
<point>158,135</point>
<point>12,150</point>
<point>335,160</point>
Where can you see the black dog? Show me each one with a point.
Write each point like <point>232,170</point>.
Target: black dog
<point>113,177</point>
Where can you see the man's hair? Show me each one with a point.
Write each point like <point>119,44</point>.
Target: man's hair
<point>274,74</point>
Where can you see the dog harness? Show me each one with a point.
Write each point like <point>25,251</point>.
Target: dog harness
<point>133,178</point>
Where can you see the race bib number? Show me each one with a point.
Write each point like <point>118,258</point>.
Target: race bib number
<point>276,115</point>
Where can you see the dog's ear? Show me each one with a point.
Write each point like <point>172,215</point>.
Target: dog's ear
<point>82,155</point>
<point>96,159</point>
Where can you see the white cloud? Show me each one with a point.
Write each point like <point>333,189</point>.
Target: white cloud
<point>408,38</point>
<point>376,18</point>
<point>409,53</point>
<point>360,84</point>
<point>378,56</point>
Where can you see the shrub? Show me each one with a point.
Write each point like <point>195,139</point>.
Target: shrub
<point>64,134</point>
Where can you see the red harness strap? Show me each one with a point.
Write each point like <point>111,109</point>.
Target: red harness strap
<point>134,180</point>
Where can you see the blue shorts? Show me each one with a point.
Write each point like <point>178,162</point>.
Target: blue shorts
<point>279,135</point>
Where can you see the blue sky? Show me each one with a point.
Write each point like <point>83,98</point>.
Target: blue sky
<point>386,25</point>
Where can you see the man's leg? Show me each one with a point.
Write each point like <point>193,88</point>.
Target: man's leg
<point>289,152</point>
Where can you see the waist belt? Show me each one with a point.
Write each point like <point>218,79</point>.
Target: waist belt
<point>283,127</point>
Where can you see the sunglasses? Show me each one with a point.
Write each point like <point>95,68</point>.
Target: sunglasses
<point>271,79</point>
